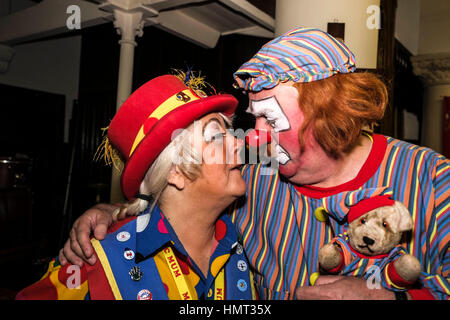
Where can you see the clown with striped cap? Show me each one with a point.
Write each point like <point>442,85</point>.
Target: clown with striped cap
<point>319,116</point>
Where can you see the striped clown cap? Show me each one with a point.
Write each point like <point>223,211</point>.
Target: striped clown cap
<point>300,55</point>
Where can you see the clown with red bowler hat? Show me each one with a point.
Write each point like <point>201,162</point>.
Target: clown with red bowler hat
<point>177,245</point>
<point>321,114</point>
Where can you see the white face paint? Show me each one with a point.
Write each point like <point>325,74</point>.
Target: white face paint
<point>213,131</point>
<point>270,109</point>
<point>282,156</point>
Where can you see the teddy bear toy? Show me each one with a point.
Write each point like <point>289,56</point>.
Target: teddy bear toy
<point>375,229</point>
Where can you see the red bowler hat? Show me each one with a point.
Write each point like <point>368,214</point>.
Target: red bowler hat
<point>144,124</point>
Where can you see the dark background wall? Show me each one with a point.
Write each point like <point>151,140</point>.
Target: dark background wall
<point>62,180</point>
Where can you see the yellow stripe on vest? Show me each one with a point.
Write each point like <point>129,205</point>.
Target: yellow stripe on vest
<point>219,293</point>
<point>107,268</point>
<point>177,274</point>
<point>175,101</point>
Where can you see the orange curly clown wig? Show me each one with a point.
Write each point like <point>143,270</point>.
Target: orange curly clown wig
<point>338,108</point>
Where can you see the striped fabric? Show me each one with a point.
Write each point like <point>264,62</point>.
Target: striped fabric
<point>374,269</point>
<point>338,205</point>
<point>300,55</point>
<point>282,236</point>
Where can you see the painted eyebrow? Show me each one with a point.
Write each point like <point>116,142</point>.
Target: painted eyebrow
<point>265,98</point>
<point>270,108</point>
<point>209,121</point>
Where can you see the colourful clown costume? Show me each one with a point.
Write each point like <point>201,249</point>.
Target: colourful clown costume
<point>283,226</point>
<point>142,258</point>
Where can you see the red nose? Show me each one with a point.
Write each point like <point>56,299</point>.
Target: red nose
<point>258,138</point>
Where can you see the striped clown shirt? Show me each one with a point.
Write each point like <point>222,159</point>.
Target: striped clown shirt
<point>282,234</point>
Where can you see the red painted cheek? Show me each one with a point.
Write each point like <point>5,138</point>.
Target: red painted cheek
<point>288,140</point>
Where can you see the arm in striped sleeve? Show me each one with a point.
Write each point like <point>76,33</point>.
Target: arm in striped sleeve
<point>436,281</point>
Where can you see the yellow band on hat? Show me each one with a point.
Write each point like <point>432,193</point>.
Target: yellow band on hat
<point>175,101</point>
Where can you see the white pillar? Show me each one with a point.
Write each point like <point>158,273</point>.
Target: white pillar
<point>128,25</point>
<point>435,71</point>
<point>359,16</point>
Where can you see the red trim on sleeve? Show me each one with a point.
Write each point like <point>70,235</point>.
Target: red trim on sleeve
<point>396,278</point>
<point>337,269</point>
<point>369,168</point>
<point>421,294</point>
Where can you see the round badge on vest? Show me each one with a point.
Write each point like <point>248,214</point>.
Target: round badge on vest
<point>144,294</point>
<point>242,265</point>
<point>242,285</point>
<point>123,236</point>
<point>128,254</point>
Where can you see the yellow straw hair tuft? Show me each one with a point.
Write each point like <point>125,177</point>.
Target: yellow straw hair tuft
<point>108,153</point>
<point>194,81</point>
